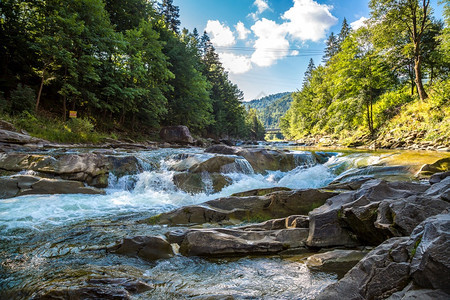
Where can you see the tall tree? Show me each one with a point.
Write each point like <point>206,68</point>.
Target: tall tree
<point>308,72</point>
<point>171,15</point>
<point>331,48</point>
<point>411,16</point>
<point>345,31</point>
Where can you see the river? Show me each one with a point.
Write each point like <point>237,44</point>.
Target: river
<point>54,241</point>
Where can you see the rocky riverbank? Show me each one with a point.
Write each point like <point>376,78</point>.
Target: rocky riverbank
<point>413,140</point>
<point>406,224</point>
<point>383,237</point>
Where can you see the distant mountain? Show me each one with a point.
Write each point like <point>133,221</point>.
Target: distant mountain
<point>271,108</point>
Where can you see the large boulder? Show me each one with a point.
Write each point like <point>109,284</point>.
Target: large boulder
<point>349,218</point>
<point>124,165</point>
<point>176,134</point>
<point>86,167</point>
<point>21,185</point>
<point>253,208</point>
<point>222,164</point>
<point>421,259</point>
<point>195,183</point>
<point>232,242</point>
<point>441,165</point>
<point>430,242</point>
<point>263,160</point>
<point>146,247</point>
<point>7,136</point>
<point>380,273</point>
<point>340,261</point>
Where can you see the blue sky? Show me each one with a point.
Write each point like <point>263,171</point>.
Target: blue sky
<point>265,45</point>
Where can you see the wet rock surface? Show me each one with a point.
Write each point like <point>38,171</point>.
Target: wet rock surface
<point>263,160</point>
<point>350,218</point>
<point>21,185</point>
<point>146,247</point>
<point>274,205</point>
<point>422,258</point>
<point>339,261</point>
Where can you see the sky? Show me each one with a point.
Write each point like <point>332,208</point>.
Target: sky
<point>266,45</point>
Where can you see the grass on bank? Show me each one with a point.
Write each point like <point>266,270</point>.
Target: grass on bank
<point>77,130</point>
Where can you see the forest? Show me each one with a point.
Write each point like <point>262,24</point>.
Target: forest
<point>123,66</point>
<point>389,77</point>
<point>271,108</point>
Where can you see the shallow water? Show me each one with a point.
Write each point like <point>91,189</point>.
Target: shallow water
<point>49,241</point>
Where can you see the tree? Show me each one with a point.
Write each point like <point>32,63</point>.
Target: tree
<point>411,16</point>
<point>345,31</point>
<point>308,72</point>
<point>332,47</point>
<point>171,15</point>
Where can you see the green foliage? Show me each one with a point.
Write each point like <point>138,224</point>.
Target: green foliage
<point>366,87</point>
<point>389,105</point>
<point>271,108</point>
<point>123,62</point>
<point>22,99</point>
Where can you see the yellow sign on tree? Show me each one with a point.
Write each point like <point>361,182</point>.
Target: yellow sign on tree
<point>72,114</point>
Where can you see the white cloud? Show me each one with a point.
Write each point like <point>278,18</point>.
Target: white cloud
<point>241,30</point>
<point>358,23</point>
<point>308,20</point>
<point>295,52</point>
<point>262,5</point>
<point>271,43</point>
<point>220,34</point>
<point>235,64</point>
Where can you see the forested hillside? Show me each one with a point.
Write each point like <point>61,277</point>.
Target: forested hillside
<point>122,65</point>
<point>389,78</point>
<point>271,108</point>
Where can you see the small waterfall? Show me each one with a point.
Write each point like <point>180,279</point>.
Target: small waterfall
<point>207,183</point>
<point>240,165</point>
<point>304,159</point>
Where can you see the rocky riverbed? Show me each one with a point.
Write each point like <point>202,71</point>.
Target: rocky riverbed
<point>142,222</point>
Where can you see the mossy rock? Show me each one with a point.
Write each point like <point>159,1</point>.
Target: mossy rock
<point>260,192</point>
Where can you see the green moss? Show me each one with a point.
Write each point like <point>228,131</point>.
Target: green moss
<point>153,220</point>
<point>257,218</point>
<point>416,245</point>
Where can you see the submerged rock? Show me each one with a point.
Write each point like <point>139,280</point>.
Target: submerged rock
<point>146,247</point>
<point>83,293</point>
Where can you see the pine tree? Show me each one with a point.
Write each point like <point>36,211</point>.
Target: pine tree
<point>332,47</point>
<point>171,15</point>
<point>308,72</point>
<point>345,30</point>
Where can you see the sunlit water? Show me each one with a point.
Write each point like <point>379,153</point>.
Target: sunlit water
<point>50,241</point>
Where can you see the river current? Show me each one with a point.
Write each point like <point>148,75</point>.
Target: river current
<point>58,241</point>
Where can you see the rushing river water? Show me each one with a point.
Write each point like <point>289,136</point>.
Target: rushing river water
<point>56,241</point>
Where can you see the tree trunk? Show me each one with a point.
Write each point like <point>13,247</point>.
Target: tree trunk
<point>64,108</point>
<point>40,92</point>
<point>417,69</point>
